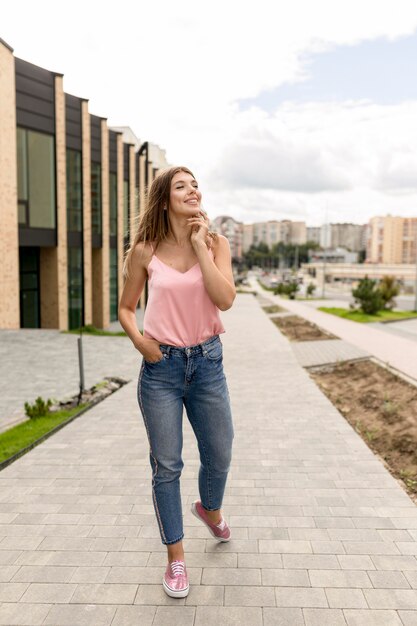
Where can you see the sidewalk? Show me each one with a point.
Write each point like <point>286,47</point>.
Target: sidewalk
<point>322,533</point>
<point>399,352</point>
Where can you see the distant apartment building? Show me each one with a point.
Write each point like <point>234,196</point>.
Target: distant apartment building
<point>313,234</point>
<point>71,189</point>
<point>345,235</point>
<point>334,255</point>
<point>232,230</point>
<point>273,232</point>
<point>391,239</point>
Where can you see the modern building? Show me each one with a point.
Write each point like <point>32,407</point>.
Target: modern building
<point>352,273</point>
<point>71,189</point>
<point>233,231</point>
<point>392,239</point>
<point>313,234</point>
<point>333,255</point>
<point>273,232</point>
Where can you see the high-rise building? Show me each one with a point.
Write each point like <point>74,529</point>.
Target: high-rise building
<point>232,230</point>
<point>273,232</point>
<point>391,239</point>
<point>71,189</point>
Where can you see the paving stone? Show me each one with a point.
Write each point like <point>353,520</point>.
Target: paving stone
<point>300,597</point>
<point>346,598</point>
<point>248,596</point>
<point>324,617</point>
<point>345,578</point>
<point>283,617</point>
<point>134,615</point>
<point>229,616</point>
<point>389,580</point>
<point>82,615</point>
<point>391,598</point>
<point>361,617</point>
<point>23,614</point>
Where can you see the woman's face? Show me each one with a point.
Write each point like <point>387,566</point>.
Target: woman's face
<point>185,196</point>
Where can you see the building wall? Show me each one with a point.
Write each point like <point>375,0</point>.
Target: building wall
<point>391,239</point>
<point>9,242</point>
<point>49,222</point>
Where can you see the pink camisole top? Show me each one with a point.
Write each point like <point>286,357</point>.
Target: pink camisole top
<point>179,311</point>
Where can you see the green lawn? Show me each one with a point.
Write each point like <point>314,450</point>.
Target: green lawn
<point>358,316</point>
<point>92,330</point>
<point>22,435</point>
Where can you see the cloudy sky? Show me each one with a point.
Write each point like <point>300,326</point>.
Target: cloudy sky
<point>284,110</point>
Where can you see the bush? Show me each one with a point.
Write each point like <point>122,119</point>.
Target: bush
<point>311,288</point>
<point>389,288</point>
<point>368,296</point>
<point>39,409</point>
<point>287,289</point>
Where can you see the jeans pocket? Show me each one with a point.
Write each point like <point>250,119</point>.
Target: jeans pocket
<point>214,351</point>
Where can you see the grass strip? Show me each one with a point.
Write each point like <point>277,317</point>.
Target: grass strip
<point>364,318</point>
<point>23,437</point>
<point>92,330</point>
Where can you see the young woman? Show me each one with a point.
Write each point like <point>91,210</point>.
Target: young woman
<point>190,278</point>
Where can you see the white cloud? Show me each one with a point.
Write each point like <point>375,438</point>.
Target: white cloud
<point>173,71</point>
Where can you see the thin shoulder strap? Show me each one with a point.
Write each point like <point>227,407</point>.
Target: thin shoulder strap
<point>152,248</point>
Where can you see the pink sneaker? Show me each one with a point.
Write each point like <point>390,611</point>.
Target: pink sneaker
<point>220,531</point>
<point>175,580</point>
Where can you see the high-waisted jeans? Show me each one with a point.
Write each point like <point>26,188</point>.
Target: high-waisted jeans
<point>192,377</point>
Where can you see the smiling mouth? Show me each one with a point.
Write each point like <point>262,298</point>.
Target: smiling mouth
<point>193,201</point>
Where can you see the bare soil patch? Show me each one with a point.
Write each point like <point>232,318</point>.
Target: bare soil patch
<point>273,308</point>
<point>382,408</point>
<point>296,328</point>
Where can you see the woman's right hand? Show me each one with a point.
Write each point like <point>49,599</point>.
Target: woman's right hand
<point>150,350</point>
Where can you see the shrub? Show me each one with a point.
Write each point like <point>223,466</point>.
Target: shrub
<point>368,296</point>
<point>39,409</point>
<point>287,289</point>
<point>311,288</point>
<point>389,288</point>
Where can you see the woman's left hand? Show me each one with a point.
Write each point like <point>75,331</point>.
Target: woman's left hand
<point>200,228</point>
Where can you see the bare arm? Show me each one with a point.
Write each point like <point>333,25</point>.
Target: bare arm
<point>132,291</point>
<point>217,274</point>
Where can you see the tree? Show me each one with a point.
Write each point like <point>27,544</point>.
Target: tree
<point>368,296</point>
<point>389,288</point>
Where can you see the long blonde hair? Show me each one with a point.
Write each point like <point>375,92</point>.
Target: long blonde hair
<point>153,222</point>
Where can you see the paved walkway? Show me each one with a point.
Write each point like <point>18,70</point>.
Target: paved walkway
<point>399,352</point>
<point>325,351</point>
<point>322,533</point>
<point>47,366</point>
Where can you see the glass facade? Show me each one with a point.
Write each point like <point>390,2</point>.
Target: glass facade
<point>36,179</point>
<point>125,209</point>
<point>113,203</point>
<point>75,288</point>
<point>29,287</point>
<point>113,284</point>
<point>74,191</point>
<point>96,198</point>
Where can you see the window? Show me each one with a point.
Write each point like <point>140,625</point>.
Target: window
<point>74,191</point>
<point>96,198</point>
<point>113,284</point>
<point>75,288</point>
<point>36,179</point>
<point>113,203</point>
<point>125,209</point>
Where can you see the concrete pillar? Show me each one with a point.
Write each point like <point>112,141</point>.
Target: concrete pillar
<point>120,220</point>
<point>54,261</point>
<point>87,254</point>
<point>9,233</point>
<point>133,201</point>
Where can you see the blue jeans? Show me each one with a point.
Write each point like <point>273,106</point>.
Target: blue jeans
<point>192,377</point>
